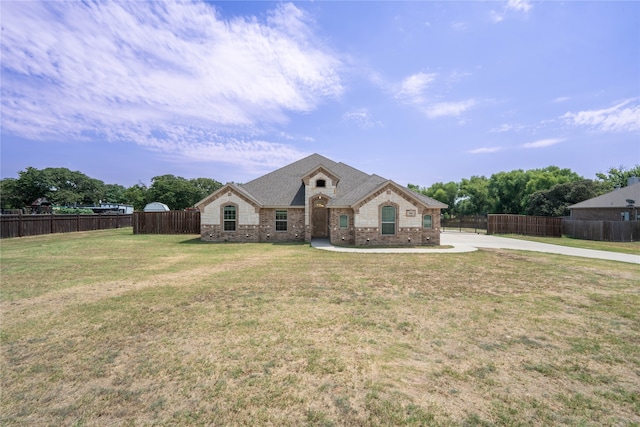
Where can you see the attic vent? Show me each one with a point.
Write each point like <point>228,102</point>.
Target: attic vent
<point>321,183</point>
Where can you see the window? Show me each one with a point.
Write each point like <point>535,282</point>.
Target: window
<point>427,222</point>
<point>321,183</point>
<point>229,217</point>
<point>281,220</point>
<point>388,220</point>
<point>344,221</point>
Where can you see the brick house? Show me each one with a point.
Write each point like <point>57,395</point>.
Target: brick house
<point>316,197</point>
<point>618,205</point>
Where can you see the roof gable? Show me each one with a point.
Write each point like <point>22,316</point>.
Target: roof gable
<point>322,170</point>
<point>366,192</point>
<point>230,187</point>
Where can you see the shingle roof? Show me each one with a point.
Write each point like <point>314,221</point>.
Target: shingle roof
<point>615,199</point>
<point>284,186</point>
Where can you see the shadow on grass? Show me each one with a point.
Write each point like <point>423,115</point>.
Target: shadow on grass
<point>198,241</point>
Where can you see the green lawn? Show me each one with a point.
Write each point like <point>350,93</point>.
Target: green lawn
<point>109,328</point>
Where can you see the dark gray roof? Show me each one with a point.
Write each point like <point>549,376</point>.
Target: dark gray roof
<point>615,199</point>
<point>284,186</point>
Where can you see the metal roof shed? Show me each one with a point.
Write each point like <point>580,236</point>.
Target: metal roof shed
<point>156,207</point>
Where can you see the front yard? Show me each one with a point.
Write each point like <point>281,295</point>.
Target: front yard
<point>110,328</point>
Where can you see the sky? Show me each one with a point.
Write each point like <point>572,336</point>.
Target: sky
<point>418,92</point>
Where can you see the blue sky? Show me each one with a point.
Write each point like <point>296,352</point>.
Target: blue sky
<point>417,92</point>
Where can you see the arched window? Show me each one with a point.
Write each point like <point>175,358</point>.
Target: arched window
<point>388,223</point>
<point>229,218</point>
<point>321,183</point>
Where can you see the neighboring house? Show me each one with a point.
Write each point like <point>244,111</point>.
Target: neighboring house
<point>41,205</point>
<point>317,197</point>
<point>113,207</point>
<point>619,205</point>
<point>156,207</point>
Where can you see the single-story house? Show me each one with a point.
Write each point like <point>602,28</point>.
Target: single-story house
<point>316,197</point>
<point>618,205</point>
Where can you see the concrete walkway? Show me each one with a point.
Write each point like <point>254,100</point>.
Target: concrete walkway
<point>469,242</point>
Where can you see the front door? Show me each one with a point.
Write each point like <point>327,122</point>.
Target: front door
<point>319,217</point>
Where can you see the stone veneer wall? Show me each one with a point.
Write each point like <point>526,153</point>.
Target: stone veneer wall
<point>295,226</point>
<point>405,236</point>
<point>341,236</point>
<point>264,232</point>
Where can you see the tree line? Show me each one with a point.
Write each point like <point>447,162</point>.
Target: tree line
<point>548,191</point>
<point>63,187</point>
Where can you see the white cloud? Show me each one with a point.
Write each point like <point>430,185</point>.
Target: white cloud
<point>622,117</point>
<point>134,70</point>
<point>483,150</point>
<point>412,88</point>
<point>521,6</point>
<point>449,108</point>
<point>459,26</point>
<point>507,127</point>
<point>561,99</point>
<point>361,118</point>
<point>543,143</point>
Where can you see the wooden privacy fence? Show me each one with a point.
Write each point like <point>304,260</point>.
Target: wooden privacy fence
<point>609,231</point>
<point>171,222</point>
<point>527,225</point>
<point>33,225</point>
<point>478,222</point>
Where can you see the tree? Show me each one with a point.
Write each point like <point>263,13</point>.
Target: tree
<point>556,200</point>
<point>9,197</point>
<point>445,193</point>
<point>59,185</point>
<point>618,177</point>
<point>136,195</point>
<point>205,186</point>
<point>175,191</point>
<point>114,193</point>
<point>546,178</point>
<point>474,196</point>
<point>508,190</point>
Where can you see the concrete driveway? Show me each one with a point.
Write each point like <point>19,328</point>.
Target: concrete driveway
<point>469,242</point>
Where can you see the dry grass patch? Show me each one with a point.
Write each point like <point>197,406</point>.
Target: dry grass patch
<point>226,334</point>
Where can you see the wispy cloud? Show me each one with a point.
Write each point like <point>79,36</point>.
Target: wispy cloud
<point>417,90</point>
<point>622,117</point>
<point>561,99</point>
<point>174,77</point>
<point>449,108</point>
<point>508,127</point>
<point>361,118</point>
<point>411,89</point>
<point>521,6</point>
<point>543,143</point>
<point>484,150</point>
<point>459,26</point>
